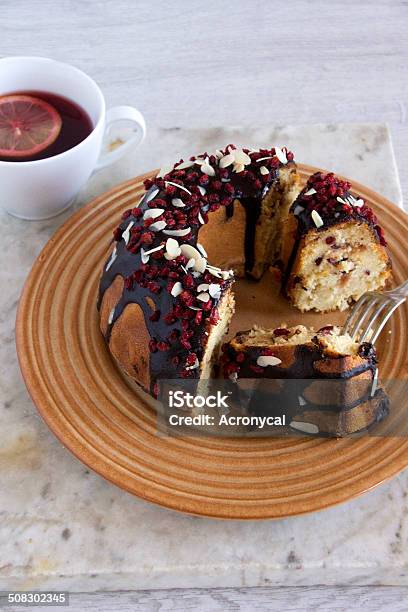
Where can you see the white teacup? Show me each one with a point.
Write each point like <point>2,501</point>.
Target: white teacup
<point>43,188</point>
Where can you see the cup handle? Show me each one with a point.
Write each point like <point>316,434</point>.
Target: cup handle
<point>125,117</point>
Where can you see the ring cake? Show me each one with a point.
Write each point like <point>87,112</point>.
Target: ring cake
<point>165,295</point>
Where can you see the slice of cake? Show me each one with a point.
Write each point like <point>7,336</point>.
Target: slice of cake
<point>334,379</point>
<point>335,249</point>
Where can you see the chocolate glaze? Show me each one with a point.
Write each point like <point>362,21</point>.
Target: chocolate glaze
<point>305,358</point>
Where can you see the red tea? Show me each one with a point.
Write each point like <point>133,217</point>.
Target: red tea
<point>76,125</point>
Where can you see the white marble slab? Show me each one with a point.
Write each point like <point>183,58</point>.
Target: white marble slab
<point>62,526</point>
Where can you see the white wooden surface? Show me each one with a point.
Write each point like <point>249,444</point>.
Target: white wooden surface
<point>205,63</point>
<point>296,599</point>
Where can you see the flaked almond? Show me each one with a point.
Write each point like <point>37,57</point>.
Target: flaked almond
<point>179,232</point>
<point>192,253</point>
<point>111,315</point>
<point>310,192</point>
<point>304,427</point>
<point>158,248</point>
<point>177,289</point>
<point>202,250</point>
<point>281,155</point>
<point>112,259</point>
<point>178,186</point>
<point>238,168</point>
<point>318,221</point>
<point>178,203</point>
<point>216,273</point>
<point>126,233</point>
<point>202,287</point>
<point>268,360</point>
<point>263,170</point>
<point>241,157</point>
<point>203,297</point>
<point>144,257</point>
<point>172,248</point>
<point>207,169</point>
<point>153,213</point>
<point>227,160</point>
<point>202,190</point>
<point>150,195</point>
<point>185,165</point>
<point>158,226</point>
<point>214,290</point>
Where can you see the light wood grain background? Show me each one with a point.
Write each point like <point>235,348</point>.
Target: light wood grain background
<point>202,63</point>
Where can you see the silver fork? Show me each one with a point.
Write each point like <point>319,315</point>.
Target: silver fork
<point>372,311</point>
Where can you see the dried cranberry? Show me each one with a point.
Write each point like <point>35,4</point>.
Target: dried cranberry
<point>154,287</point>
<point>153,345</point>
<point>137,212</point>
<point>147,238</point>
<point>186,298</point>
<point>191,359</point>
<point>155,316</point>
<point>173,335</point>
<point>163,346</point>
<point>185,343</point>
<point>170,318</point>
<point>214,316</point>
<point>199,317</point>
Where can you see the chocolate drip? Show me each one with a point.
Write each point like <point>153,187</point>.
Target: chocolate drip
<point>124,265</point>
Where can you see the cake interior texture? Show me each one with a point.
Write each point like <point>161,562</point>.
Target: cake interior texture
<point>329,337</point>
<point>339,251</point>
<point>336,266</point>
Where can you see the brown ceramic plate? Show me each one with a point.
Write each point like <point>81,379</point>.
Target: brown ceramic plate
<point>88,405</point>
